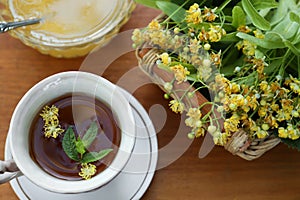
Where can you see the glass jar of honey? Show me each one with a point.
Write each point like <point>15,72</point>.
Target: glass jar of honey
<point>69,28</point>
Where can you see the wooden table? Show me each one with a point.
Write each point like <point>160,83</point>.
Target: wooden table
<point>219,175</point>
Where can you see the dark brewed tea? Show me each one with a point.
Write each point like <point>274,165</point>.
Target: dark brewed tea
<point>76,111</point>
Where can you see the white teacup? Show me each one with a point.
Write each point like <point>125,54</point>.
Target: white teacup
<point>51,88</point>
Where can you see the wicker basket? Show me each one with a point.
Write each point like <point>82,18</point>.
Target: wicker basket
<point>239,144</point>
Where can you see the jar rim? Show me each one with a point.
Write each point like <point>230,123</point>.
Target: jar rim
<point>111,21</point>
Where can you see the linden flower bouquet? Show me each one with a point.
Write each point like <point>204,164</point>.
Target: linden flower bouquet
<point>243,55</point>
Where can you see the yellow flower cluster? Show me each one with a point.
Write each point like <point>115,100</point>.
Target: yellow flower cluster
<point>255,99</point>
<point>180,73</point>
<point>87,170</point>
<point>216,58</point>
<point>259,65</point>
<point>165,58</point>
<point>275,106</point>
<point>51,122</point>
<point>294,84</point>
<point>176,106</point>
<point>196,16</point>
<point>154,25</point>
<point>290,132</point>
<point>215,33</point>
<point>247,47</point>
<point>244,29</point>
<point>209,14</point>
<point>194,121</point>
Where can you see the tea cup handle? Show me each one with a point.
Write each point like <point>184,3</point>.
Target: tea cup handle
<point>8,171</point>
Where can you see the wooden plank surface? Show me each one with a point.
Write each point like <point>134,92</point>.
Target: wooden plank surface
<point>219,175</point>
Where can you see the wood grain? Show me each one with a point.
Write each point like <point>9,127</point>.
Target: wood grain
<point>219,175</point>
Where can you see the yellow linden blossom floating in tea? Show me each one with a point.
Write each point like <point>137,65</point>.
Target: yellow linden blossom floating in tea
<point>50,118</point>
<point>52,130</point>
<point>49,113</point>
<point>87,170</point>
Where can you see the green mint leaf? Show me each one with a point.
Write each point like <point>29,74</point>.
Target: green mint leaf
<point>94,156</point>
<point>90,135</point>
<point>69,144</point>
<point>80,146</point>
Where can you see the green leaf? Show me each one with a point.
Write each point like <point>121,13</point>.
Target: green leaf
<point>148,3</point>
<point>280,13</point>
<point>256,19</point>
<point>297,38</point>
<point>230,38</point>
<point>259,4</point>
<point>272,66</point>
<point>230,61</point>
<point>291,5</point>
<point>175,12</point>
<point>273,37</point>
<point>69,144</point>
<point>238,17</point>
<point>292,47</point>
<point>90,135</point>
<point>80,146</point>
<point>264,12</point>
<point>228,18</point>
<point>259,54</point>
<point>294,17</point>
<point>286,28</point>
<point>265,43</point>
<point>94,156</point>
<point>229,67</point>
<point>294,144</point>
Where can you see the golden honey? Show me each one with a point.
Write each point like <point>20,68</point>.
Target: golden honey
<point>69,28</point>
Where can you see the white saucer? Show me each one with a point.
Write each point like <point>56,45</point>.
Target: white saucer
<point>131,183</point>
